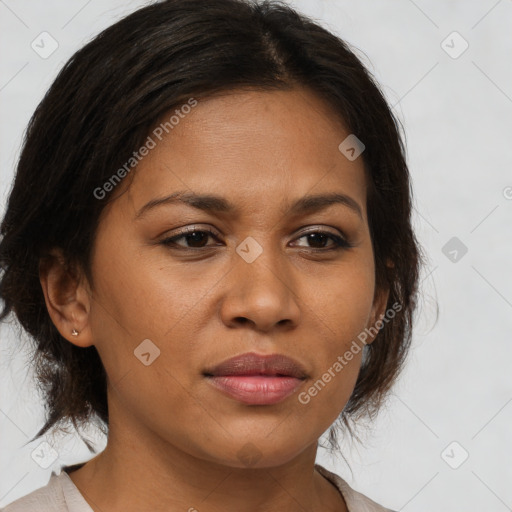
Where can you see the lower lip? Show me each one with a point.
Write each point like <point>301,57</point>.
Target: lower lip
<point>256,389</point>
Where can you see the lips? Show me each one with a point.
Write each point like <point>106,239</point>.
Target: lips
<point>254,364</point>
<point>254,379</point>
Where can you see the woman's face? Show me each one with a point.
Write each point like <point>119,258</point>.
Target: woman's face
<point>259,284</point>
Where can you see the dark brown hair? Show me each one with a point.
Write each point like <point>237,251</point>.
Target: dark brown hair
<point>100,109</point>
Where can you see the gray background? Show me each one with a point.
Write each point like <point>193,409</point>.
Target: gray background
<point>457,113</point>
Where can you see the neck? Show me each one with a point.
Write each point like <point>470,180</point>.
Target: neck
<point>141,472</point>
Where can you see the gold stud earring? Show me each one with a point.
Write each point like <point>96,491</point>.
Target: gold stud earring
<point>74,332</point>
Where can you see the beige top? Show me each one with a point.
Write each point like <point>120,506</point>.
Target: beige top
<point>61,495</point>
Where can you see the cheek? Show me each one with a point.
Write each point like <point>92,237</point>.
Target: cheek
<point>139,321</point>
<point>141,296</point>
<point>141,292</point>
<point>341,311</point>
<point>342,299</point>
<point>351,302</point>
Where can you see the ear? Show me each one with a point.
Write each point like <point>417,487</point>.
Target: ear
<point>380,301</point>
<point>378,311</point>
<point>67,298</point>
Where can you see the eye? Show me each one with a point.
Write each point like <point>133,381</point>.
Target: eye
<point>318,240</point>
<point>196,238</point>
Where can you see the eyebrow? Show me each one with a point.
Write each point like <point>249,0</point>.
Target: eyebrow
<point>217,204</point>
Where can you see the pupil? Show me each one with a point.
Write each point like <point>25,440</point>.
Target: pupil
<point>317,237</point>
<point>196,236</point>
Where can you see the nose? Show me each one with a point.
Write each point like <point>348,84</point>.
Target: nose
<point>261,294</point>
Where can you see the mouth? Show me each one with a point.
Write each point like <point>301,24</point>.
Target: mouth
<point>257,379</point>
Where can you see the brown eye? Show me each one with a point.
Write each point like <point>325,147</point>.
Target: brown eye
<point>194,238</point>
<point>319,240</point>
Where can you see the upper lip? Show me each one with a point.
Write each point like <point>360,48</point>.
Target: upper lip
<point>256,364</point>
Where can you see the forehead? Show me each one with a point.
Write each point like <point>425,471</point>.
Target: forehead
<point>260,148</point>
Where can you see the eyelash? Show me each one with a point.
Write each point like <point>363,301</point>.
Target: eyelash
<point>340,243</point>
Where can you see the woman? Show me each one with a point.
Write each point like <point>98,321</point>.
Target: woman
<point>209,241</point>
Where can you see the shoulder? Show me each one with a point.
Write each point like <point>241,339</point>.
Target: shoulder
<point>356,502</point>
<point>58,495</point>
<point>45,499</point>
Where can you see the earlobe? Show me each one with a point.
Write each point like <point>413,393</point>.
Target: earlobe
<point>66,298</point>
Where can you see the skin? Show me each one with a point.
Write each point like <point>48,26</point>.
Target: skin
<point>174,440</point>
